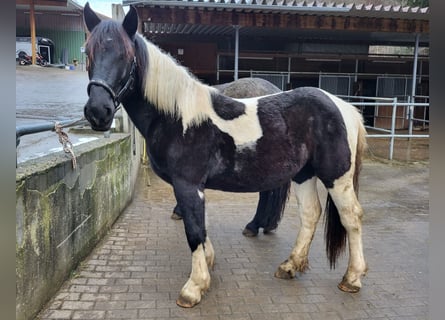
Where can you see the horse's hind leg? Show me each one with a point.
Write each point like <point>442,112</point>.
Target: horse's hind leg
<point>191,200</point>
<point>309,209</point>
<point>251,229</point>
<point>351,213</point>
<point>269,211</point>
<point>176,214</point>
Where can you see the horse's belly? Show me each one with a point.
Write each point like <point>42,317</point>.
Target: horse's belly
<point>252,180</point>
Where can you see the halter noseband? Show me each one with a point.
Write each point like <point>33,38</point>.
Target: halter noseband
<point>116,97</point>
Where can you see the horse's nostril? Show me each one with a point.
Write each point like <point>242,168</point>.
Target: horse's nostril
<point>109,111</point>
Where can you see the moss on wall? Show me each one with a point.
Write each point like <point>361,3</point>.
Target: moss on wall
<point>63,212</point>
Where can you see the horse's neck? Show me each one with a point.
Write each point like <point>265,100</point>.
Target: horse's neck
<point>141,113</point>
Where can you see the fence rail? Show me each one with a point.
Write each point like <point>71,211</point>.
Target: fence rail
<point>26,129</point>
<point>394,104</point>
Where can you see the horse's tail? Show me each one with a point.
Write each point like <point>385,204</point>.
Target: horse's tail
<point>335,233</point>
<point>270,211</point>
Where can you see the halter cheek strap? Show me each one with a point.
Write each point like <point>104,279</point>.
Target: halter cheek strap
<point>116,97</point>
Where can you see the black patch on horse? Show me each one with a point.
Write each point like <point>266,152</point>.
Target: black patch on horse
<point>226,108</point>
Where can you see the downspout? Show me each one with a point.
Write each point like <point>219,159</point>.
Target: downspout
<point>235,75</point>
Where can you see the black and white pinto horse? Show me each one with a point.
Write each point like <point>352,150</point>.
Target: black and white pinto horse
<point>198,138</point>
<point>271,203</point>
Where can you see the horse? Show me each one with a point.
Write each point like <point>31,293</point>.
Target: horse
<point>198,138</point>
<point>271,203</point>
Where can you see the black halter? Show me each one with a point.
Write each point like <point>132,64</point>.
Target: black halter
<point>116,97</point>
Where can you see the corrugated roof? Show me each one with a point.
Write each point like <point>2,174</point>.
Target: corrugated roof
<point>293,6</point>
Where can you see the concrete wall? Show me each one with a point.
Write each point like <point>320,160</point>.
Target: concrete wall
<point>63,212</point>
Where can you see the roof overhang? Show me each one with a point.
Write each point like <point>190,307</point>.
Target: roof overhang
<point>285,18</point>
<point>50,5</point>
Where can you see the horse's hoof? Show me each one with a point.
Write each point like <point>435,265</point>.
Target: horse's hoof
<point>347,287</point>
<point>175,216</point>
<point>249,233</point>
<point>269,230</point>
<point>184,303</point>
<point>282,274</point>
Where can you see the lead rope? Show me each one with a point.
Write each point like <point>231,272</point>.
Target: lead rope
<point>66,143</point>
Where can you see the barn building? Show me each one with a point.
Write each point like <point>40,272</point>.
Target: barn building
<point>58,21</point>
<point>348,49</point>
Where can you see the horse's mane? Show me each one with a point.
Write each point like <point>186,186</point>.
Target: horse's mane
<point>173,90</point>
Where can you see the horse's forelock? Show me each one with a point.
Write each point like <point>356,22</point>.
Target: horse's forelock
<point>105,30</point>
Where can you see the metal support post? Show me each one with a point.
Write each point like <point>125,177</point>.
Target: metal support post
<point>413,86</point>
<point>235,75</point>
<point>393,126</point>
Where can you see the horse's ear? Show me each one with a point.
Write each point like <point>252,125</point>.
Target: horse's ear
<point>90,17</point>
<point>130,22</point>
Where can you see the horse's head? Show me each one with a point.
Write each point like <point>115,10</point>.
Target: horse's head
<point>112,65</point>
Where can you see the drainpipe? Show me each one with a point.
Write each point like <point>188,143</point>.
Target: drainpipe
<point>235,75</point>
<point>356,70</point>
<point>289,62</point>
<point>117,12</point>
<point>413,85</point>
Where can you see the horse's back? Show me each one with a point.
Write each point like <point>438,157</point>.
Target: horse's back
<point>247,87</point>
<point>323,130</point>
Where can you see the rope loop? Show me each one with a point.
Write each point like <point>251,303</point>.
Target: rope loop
<point>66,143</point>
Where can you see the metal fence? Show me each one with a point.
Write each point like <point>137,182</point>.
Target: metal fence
<point>401,113</point>
<point>394,116</point>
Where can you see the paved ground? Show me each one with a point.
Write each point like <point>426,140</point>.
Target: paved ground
<point>139,268</point>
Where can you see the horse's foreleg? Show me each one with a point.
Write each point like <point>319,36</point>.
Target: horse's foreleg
<point>309,209</point>
<point>351,213</point>
<point>198,282</point>
<point>192,206</point>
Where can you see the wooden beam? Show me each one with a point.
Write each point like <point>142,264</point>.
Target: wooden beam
<point>285,20</point>
<point>32,24</point>
<point>58,3</point>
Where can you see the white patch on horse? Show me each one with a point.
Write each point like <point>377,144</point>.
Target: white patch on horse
<point>201,195</point>
<point>245,129</point>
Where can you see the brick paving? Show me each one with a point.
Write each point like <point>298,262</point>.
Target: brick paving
<point>137,271</point>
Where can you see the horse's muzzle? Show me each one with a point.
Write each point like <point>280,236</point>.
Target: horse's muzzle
<point>99,109</point>
<point>100,118</point>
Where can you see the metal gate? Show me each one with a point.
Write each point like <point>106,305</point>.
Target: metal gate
<point>278,79</point>
<point>335,84</point>
<point>390,87</point>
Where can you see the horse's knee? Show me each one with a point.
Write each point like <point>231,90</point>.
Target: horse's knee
<point>351,218</point>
